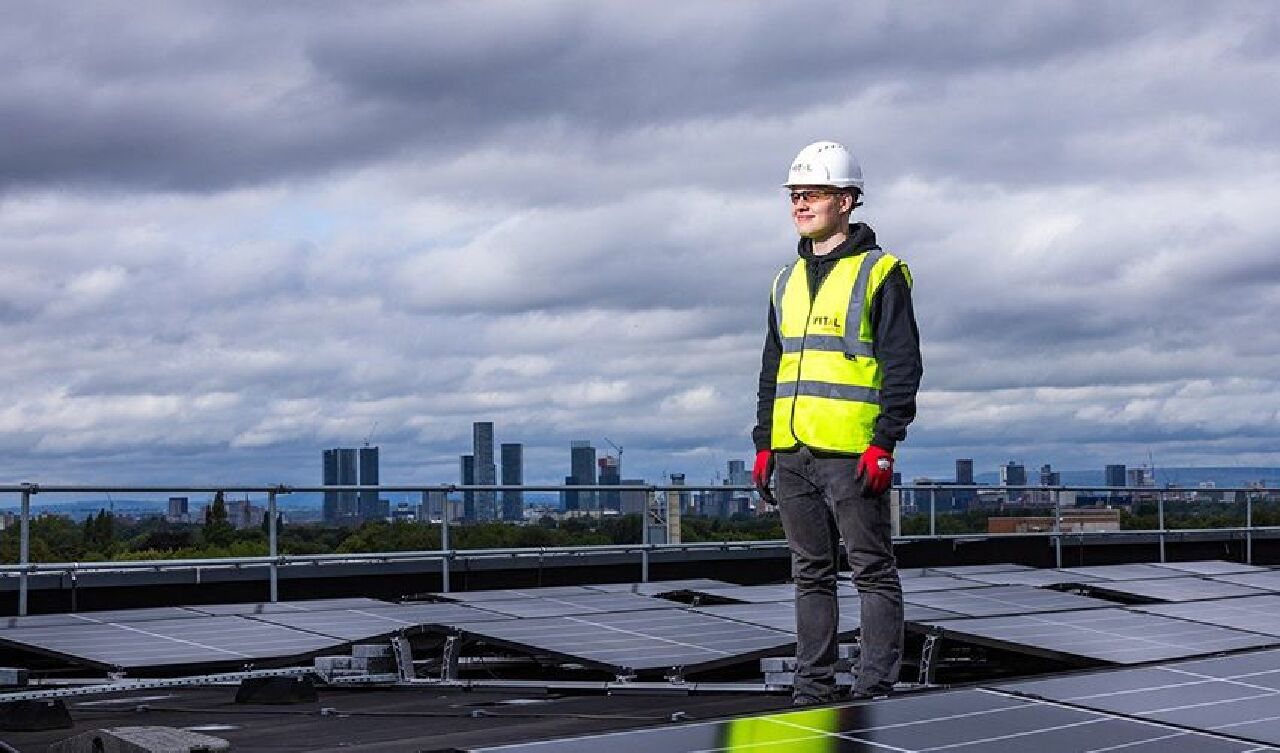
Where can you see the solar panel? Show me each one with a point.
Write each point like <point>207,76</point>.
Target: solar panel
<point>965,571</point>
<point>1172,589</point>
<point>511,594</point>
<point>362,624</point>
<point>95,618</point>
<point>654,588</point>
<point>159,643</point>
<point>753,594</point>
<point>1112,635</point>
<point>1237,695</point>
<point>650,640</point>
<point>782,615</point>
<point>937,583</point>
<point>999,600</point>
<point>279,607</point>
<point>958,720</point>
<point>1123,572</point>
<point>1038,578</point>
<point>1258,614</point>
<point>591,603</point>
<point>1267,580</point>
<point>1210,567</point>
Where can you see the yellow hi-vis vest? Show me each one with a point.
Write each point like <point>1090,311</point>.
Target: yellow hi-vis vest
<point>807,731</point>
<point>828,394</point>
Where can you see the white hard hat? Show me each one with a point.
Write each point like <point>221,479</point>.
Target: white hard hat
<point>825,163</point>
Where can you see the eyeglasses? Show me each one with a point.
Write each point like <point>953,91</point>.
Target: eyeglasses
<point>810,194</point>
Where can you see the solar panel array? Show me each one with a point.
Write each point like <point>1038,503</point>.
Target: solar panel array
<point>1114,635</point>
<point>162,643</point>
<point>589,603</point>
<point>655,588</point>
<point>782,615</point>
<point>1172,589</point>
<point>1035,578</point>
<point>267,607</point>
<point>1210,567</point>
<point>1237,695</point>
<point>655,639</point>
<point>1133,571</point>
<point>364,624</point>
<point>958,720</point>
<point>1267,580</point>
<point>998,600</point>
<point>1258,614</point>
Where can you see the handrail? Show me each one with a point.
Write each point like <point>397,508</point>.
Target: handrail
<point>25,568</point>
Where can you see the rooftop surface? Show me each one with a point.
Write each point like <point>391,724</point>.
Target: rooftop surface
<point>1137,657</point>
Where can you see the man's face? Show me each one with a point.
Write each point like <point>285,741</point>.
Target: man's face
<point>818,211</point>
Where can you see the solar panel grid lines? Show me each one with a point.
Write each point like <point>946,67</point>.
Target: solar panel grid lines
<point>1255,614</point>
<point>1112,635</point>
<point>99,617</point>
<point>957,720</point>
<point>163,643</point>
<point>266,607</point>
<point>782,616</point>
<point>1237,695</point>
<point>1211,567</point>
<point>648,640</point>
<point>657,587</point>
<point>1003,600</point>
<point>1267,580</point>
<point>967,570</point>
<point>1037,578</point>
<point>363,624</point>
<point>1130,571</point>
<point>513,594</point>
<point>593,603</point>
<point>1182,589</point>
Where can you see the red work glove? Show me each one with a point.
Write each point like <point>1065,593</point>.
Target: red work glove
<point>760,474</point>
<point>875,471</point>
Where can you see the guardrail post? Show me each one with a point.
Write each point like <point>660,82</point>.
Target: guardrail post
<point>1248,528</point>
<point>445,553</point>
<point>1057,527</point>
<point>273,545</point>
<point>1160,519</point>
<point>650,505</point>
<point>933,513</point>
<point>24,548</point>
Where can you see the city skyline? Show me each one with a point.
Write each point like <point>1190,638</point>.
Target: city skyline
<point>233,238</point>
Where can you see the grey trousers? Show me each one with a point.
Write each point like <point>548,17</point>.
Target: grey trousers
<point>819,501</point>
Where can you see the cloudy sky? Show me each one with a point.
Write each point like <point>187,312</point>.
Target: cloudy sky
<point>233,234</point>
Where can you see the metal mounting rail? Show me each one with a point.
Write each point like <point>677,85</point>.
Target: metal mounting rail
<point>125,686</point>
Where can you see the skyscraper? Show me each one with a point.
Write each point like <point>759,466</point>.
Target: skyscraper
<point>368,508</point>
<point>582,472</point>
<point>485,470</point>
<point>610,474</point>
<point>964,471</point>
<point>468,473</point>
<point>1049,477</point>
<point>512,473</point>
<point>1115,475</point>
<point>1013,474</point>
<point>339,469</point>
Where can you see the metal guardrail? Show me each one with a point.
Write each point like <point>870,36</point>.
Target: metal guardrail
<point>445,555</point>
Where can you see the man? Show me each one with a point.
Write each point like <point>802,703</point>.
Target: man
<point>838,383</point>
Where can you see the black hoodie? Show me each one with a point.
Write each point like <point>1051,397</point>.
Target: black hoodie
<point>896,344</point>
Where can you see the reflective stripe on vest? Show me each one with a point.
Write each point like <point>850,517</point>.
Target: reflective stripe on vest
<point>828,381</point>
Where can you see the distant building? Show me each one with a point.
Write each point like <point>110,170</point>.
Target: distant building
<point>368,507</point>
<point>512,473</point>
<point>179,510</point>
<point>404,512</point>
<point>1049,477</point>
<point>486,505</point>
<point>738,473</point>
<point>339,469</point>
<point>1013,474</point>
<point>1115,475</point>
<point>610,475</point>
<point>582,472</point>
<point>632,503</point>
<point>467,468</point>
<point>434,506</point>
<point>964,471</point>
<point>1144,477</point>
<point>241,513</point>
<point>683,499</point>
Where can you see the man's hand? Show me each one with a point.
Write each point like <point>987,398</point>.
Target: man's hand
<point>760,473</point>
<point>875,471</point>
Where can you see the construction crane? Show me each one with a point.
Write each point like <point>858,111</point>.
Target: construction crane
<point>369,437</point>
<point>619,449</point>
